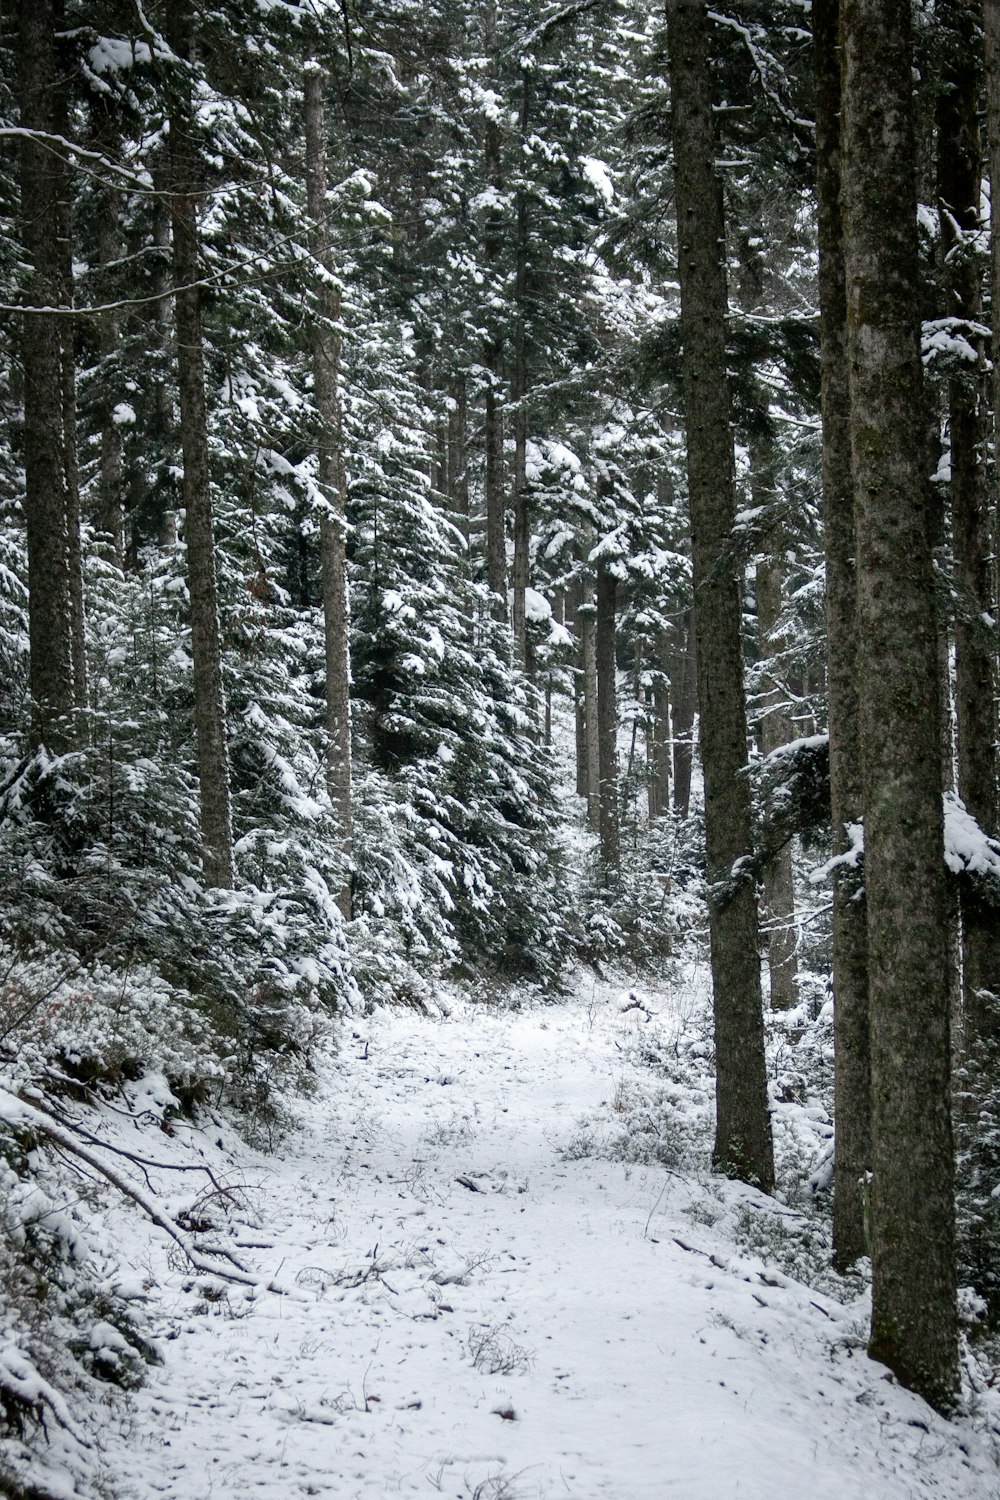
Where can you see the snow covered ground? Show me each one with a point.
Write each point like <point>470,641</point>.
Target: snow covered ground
<point>472,1308</point>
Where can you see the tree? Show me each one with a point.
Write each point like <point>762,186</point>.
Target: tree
<point>51,502</point>
<point>743,1133</point>
<point>186,181</point>
<point>331,474</point>
<point>991,29</point>
<point>607,719</point>
<point>959,173</point>
<point>852,1072</point>
<point>914,1325</point>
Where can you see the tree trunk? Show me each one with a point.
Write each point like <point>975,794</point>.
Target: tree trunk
<point>496,528</point>
<point>684,701</point>
<point>519,395</point>
<point>493,234</point>
<point>574,624</point>
<point>607,724</point>
<point>743,1145</point>
<point>67,379</point>
<point>959,180</point>
<point>209,706</point>
<point>852,1068</point>
<point>775,730</point>
<point>458,455</point>
<point>522,532</point>
<point>991,27</point>
<point>659,707</point>
<point>588,647</point>
<point>111,515</point>
<point>332,478</point>
<point>914,1323</point>
<point>47,502</point>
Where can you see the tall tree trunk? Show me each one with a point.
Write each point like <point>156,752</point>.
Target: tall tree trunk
<point>914,1321</point>
<point>111,515</point>
<point>522,531</point>
<point>67,379</point>
<point>852,1069</point>
<point>588,647</point>
<point>496,528</point>
<point>574,624</point>
<point>47,501</point>
<point>493,238</point>
<point>209,705</point>
<point>458,455</point>
<point>607,723</point>
<point>684,702</point>
<point>991,28</point>
<point>659,738</point>
<point>775,730</point>
<point>332,477</point>
<point>519,396</point>
<point>959,181</point>
<point>743,1145</point>
<point>74,552</point>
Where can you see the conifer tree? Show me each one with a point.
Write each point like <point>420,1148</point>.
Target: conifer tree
<point>186,181</point>
<point>331,473</point>
<point>914,1327</point>
<point>743,1132</point>
<point>850,942</point>
<point>51,498</point>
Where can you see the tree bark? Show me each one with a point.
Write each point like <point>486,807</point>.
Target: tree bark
<point>332,478</point>
<point>496,525</point>
<point>659,736</point>
<point>111,515</point>
<point>209,704</point>
<point>607,724</point>
<point>914,1322</point>
<point>519,395</point>
<point>458,455</point>
<point>46,499</point>
<point>991,28</point>
<point>684,699</point>
<point>959,181</point>
<point>775,730</point>
<point>743,1146</point>
<point>574,625</point>
<point>852,1067</point>
<point>588,648</point>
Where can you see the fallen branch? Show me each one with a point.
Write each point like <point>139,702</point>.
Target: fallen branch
<point>14,1111</point>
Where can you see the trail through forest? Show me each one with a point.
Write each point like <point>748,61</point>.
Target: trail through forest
<point>478,1303</point>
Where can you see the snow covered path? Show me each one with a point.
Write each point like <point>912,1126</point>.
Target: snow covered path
<point>472,1312</point>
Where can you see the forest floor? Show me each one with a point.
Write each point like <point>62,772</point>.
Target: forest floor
<point>480,1301</point>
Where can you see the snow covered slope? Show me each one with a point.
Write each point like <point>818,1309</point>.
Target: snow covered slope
<point>472,1309</point>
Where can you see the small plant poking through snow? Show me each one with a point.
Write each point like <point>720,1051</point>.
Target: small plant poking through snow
<point>494,1352</point>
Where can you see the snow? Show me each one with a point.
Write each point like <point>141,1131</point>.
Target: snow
<point>474,1300</point>
<point>111,55</point>
<point>966,846</point>
<point>597,174</point>
<point>537,608</point>
<point>946,338</point>
<point>850,859</point>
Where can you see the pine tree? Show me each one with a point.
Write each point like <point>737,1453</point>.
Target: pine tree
<point>331,475</point>
<point>852,1106</point>
<point>186,173</point>
<point>51,507</point>
<point>743,1134</point>
<point>912,1213</point>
